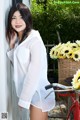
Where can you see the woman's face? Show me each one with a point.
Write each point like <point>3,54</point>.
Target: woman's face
<point>17,22</point>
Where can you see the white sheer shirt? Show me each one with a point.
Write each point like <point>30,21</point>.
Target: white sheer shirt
<point>30,73</point>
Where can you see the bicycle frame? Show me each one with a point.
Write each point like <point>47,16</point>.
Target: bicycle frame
<point>75,107</point>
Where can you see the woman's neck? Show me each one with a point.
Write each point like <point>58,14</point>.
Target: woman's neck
<point>20,34</point>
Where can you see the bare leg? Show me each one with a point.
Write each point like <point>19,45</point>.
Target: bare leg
<point>37,114</point>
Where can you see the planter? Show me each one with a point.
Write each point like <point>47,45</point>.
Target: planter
<point>66,69</point>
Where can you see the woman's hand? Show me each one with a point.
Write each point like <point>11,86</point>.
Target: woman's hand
<point>13,40</point>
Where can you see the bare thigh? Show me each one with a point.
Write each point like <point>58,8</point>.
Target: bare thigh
<point>37,114</point>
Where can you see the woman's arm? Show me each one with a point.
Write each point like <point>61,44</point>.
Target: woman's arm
<point>13,41</point>
<point>32,79</point>
<point>11,47</point>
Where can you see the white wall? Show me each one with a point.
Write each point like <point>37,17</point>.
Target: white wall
<point>3,69</point>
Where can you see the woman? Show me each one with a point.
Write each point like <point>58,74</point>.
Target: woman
<point>28,55</point>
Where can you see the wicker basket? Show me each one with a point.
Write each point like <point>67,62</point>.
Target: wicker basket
<point>66,69</point>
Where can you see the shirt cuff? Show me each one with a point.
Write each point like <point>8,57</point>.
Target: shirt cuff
<point>24,104</point>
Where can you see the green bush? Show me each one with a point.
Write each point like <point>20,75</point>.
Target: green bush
<point>64,18</point>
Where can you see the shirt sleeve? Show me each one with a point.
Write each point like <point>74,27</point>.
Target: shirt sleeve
<point>31,81</point>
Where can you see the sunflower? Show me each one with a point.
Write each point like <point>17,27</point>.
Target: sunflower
<point>73,45</point>
<point>76,80</point>
<point>78,42</point>
<point>70,54</point>
<point>76,85</point>
<point>61,56</point>
<point>76,55</point>
<point>68,43</point>
<point>58,46</point>
<point>54,51</point>
<point>65,50</point>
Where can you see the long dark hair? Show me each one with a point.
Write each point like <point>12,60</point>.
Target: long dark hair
<point>27,17</point>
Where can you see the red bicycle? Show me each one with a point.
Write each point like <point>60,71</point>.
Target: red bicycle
<point>68,91</point>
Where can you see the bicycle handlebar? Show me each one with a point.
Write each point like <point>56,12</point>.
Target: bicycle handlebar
<point>48,86</point>
<point>62,88</point>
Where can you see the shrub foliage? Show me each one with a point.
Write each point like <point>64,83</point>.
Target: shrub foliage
<point>53,17</point>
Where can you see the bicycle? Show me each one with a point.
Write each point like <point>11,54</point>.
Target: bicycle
<point>63,90</point>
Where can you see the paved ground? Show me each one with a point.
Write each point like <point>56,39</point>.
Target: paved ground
<point>60,110</point>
